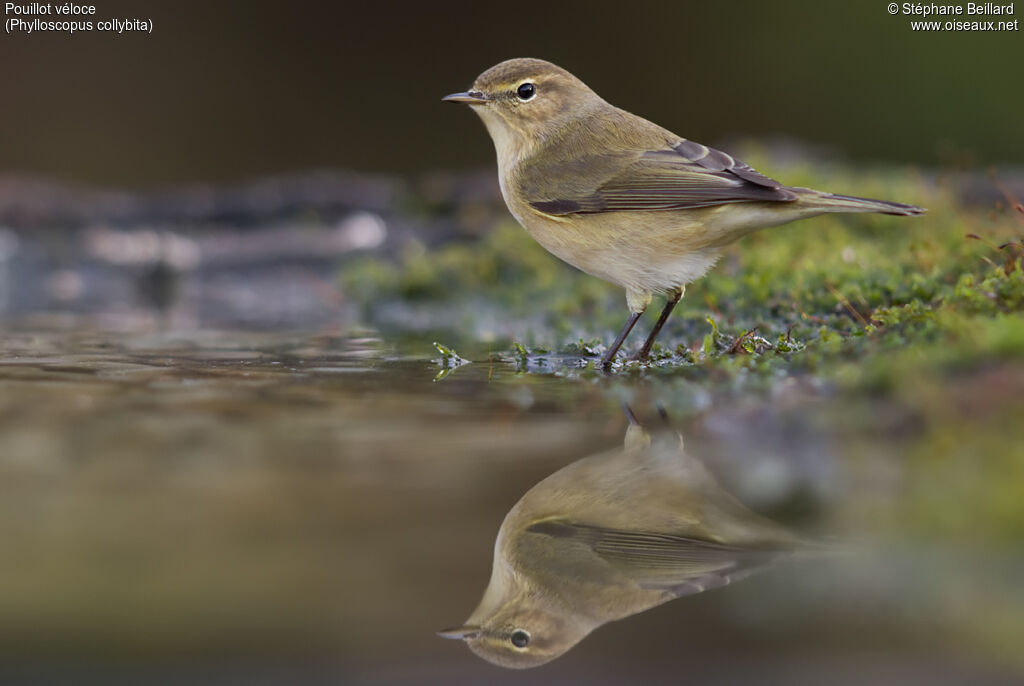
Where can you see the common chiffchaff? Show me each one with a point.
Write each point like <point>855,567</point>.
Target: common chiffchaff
<point>620,197</point>
<point>607,537</point>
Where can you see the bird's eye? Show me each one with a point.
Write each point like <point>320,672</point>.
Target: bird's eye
<point>526,92</point>
<point>520,638</point>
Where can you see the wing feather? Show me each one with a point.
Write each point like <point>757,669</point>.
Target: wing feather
<point>680,564</point>
<point>687,175</point>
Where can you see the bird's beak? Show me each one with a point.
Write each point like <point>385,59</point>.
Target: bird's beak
<point>469,98</point>
<point>460,633</point>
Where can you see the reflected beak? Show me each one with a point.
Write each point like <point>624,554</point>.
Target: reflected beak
<point>460,633</point>
<point>469,98</point>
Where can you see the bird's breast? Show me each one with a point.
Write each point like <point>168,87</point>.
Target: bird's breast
<point>650,252</point>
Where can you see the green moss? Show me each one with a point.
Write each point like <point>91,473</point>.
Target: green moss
<point>863,299</point>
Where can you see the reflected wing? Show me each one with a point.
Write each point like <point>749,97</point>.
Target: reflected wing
<point>677,564</point>
<point>686,176</point>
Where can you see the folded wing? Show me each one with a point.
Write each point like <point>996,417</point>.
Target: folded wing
<point>677,564</point>
<point>687,175</point>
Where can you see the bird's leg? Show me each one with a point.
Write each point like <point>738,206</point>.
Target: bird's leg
<point>673,298</point>
<point>606,361</point>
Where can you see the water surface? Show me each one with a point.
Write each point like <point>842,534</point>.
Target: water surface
<point>311,507</point>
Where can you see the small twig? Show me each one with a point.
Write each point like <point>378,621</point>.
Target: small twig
<point>846,303</point>
<point>1012,256</point>
<point>813,318</point>
<point>735,347</point>
<point>976,237</point>
<point>1010,197</point>
<point>1010,260</point>
<point>707,301</point>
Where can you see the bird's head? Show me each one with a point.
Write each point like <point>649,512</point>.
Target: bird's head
<point>525,101</point>
<point>519,636</point>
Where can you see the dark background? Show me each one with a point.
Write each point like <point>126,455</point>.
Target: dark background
<point>228,89</point>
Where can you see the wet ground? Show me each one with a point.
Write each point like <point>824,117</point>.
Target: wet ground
<point>231,450</point>
<point>211,506</point>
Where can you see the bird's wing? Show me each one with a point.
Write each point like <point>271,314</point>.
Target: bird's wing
<point>678,564</point>
<point>687,175</point>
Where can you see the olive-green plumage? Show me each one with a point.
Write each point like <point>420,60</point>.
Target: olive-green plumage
<point>610,536</point>
<point>620,197</point>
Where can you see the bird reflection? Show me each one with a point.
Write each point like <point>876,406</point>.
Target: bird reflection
<point>607,537</point>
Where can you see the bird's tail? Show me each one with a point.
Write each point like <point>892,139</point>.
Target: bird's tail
<point>829,202</point>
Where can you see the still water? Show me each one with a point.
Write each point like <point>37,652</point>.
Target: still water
<point>313,507</point>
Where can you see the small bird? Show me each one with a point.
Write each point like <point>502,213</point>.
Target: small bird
<point>607,537</point>
<point>620,197</point>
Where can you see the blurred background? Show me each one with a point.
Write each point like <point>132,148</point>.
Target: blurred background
<point>232,450</point>
<point>225,165</point>
<point>229,90</point>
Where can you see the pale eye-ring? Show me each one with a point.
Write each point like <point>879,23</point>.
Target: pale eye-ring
<point>520,639</point>
<point>526,92</point>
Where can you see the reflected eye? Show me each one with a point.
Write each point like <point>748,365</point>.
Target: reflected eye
<point>520,638</point>
<point>526,92</point>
